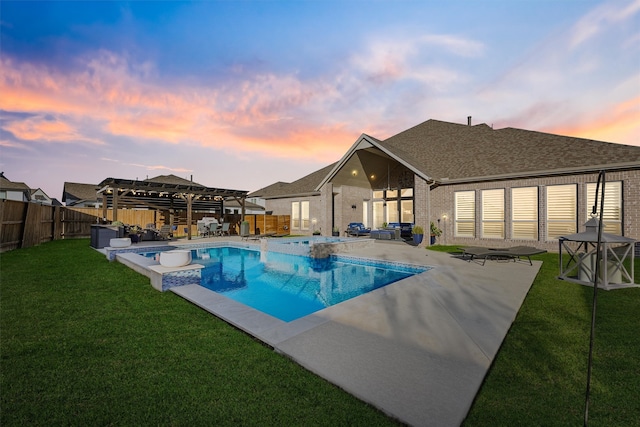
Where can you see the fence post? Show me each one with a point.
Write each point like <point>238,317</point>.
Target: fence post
<point>56,231</point>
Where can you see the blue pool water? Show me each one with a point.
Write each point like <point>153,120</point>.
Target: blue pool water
<point>291,286</point>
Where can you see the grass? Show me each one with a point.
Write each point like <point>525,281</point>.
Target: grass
<point>539,376</point>
<point>85,342</point>
<point>89,342</point>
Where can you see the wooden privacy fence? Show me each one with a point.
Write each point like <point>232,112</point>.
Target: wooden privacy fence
<point>126,216</point>
<point>278,224</point>
<point>25,224</point>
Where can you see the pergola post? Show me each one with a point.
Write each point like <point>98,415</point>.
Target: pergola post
<point>104,206</point>
<point>189,216</point>
<point>114,207</point>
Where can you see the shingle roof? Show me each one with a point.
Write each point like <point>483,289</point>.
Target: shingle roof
<point>5,184</point>
<point>172,179</point>
<point>448,150</point>
<point>308,184</point>
<point>79,191</point>
<point>270,190</point>
<point>304,185</point>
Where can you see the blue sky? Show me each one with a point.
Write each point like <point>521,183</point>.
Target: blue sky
<point>241,94</point>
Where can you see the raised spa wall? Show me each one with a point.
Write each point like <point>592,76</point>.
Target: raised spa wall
<point>314,250</point>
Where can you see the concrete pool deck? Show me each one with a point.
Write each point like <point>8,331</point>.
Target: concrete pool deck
<point>417,349</point>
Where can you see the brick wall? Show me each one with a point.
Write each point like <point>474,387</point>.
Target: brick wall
<point>443,205</point>
<point>283,207</point>
<point>439,203</point>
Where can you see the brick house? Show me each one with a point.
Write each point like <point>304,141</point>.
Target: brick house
<point>481,186</point>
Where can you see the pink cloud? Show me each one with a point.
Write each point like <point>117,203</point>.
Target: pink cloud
<point>47,130</point>
<point>619,124</point>
<point>114,97</point>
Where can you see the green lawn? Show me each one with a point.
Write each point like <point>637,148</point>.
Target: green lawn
<point>539,376</point>
<point>87,342</point>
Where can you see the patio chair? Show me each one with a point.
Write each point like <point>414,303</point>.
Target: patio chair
<point>515,253</point>
<point>166,232</point>
<point>202,229</point>
<point>213,229</point>
<point>224,229</point>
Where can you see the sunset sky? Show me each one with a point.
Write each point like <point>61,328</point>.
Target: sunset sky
<point>241,94</point>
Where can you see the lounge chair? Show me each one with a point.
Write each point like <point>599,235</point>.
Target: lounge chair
<point>357,229</point>
<point>257,236</point>
<point>515,253</point>
<point>281,235</point>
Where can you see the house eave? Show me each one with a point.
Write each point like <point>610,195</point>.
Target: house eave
<point>294,195</point>
<point>541,173</point>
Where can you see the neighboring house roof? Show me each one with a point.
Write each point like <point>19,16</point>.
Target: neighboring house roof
<point>303,186</point>
<point>172,179</point>
<point>233,204</point>
<point>76,192</point>
<point>449,151</point>
<point>7,185</point>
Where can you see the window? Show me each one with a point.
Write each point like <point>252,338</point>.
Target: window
<point>378,213</point>
<point>612,217</point>
<point>406,192</point>
<point>561,210</point>
<point>304,210</point>
<point>493,213</point>
<point>392,211</point>
<point>295,215</point>
<point>300,215</point>
<point>365,213</point>
<point>524,213</point>
<point>407,211</point>
<point>465,214</point>
<point>392,205</point>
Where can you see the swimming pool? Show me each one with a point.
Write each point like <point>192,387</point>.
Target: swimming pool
<point>289,286</point>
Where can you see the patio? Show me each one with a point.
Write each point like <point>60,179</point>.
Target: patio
<point>418,349</point>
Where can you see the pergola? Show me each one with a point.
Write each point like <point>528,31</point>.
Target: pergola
<point>153,194</point>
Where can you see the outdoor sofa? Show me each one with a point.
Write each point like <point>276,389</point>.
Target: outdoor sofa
<point>357,229</point>
<point>405,228</point>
